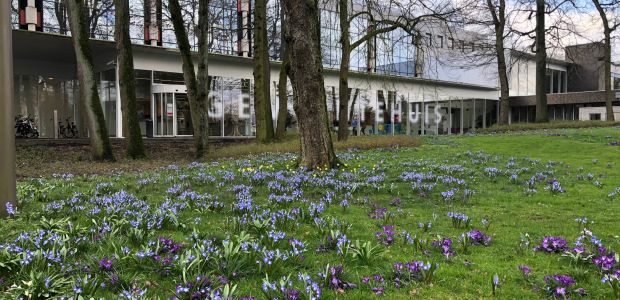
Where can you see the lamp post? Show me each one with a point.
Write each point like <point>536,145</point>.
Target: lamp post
<point>7,135</point>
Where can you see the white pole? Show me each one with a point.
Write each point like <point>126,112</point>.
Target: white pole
<point>7,135</point>
<point>56,124</point>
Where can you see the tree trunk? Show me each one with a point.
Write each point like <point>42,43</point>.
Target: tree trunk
<point>283,84</point>
<point>499,21</point>
<point>127,81</point>
<point>542,114</point>
<point>99,139</point>
<point>343,83</point>
<point>306,73</point>
<point>355,95</point>
<point>197,88</point>
<point>60,11</point>
<point>334,111</point>
<point>609,94</point>
<point>262,97</point>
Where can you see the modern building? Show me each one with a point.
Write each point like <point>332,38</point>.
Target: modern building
<point>397,86</point>
<point>575,85</point>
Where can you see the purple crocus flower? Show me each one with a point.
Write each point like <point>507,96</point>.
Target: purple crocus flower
<point>605,262</point>
<point>526,270</point>
<point>478,237</point>
<point>378,290</point>
<point>552,244</point>
<point>105,264</point>
<point>10,210</point>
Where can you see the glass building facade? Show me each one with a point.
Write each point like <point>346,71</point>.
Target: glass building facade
<point>163,107</point>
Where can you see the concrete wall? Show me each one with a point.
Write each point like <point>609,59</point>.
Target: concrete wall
<point>586,73</point>
<point>522,74</point>
<point>585,112</point>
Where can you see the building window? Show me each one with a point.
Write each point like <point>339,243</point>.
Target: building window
<point>440,41</point>
<point>595,117</point>
<point>462,45</point>
<point>429,38</point>
<point>473,46</point>
<point>451,43</point>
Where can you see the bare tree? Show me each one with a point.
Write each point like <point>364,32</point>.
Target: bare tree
<point>542,113</point>
<point>99,139</point>
<point>497,10</point>
<point>127,81</point>
<point>609,12</point>
<point>283,82</point>
<point>262,86</point>
<point>96,9</point>
<point>197,85</point>
<point>60,10</point>
<point>306,73</point>
<point>380,22</point>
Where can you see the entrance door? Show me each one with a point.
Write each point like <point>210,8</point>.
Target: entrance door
<point>183,115</point>
<point>164,114</point>
<point>169,110</point>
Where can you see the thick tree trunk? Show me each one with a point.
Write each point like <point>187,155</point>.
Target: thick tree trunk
<point>283,86</point>
<point>262,97</point>
<point>542,114</point>
<point>99,138</point>
<point>197,88</point>
<point>609,95</point>
<point>499,21</point>
<point>306,73</point>
<point>127,81</point>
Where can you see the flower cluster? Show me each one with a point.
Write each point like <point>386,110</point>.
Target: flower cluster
<point>386,235</point>
<point>477,237</point>
<point>552,244</point>
<point>459,220</point>
<point>561,286</point>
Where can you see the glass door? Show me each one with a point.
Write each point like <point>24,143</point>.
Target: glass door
<point>183,115</point>
<point>164,114</point>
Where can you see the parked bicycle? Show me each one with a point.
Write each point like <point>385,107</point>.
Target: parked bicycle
<point>68,132</point>
<point>25,127</point>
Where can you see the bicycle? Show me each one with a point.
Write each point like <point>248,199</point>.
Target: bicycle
<point>68,132</point>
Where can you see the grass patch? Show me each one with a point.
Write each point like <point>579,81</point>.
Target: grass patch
<point>251,221</point>
<point>35,160</point>
<point>550,125</point>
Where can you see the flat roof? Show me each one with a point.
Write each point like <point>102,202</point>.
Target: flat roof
<point>32,45</point>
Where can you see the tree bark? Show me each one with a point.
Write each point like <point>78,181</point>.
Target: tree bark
<point>99,138</point>
<point>283,83</point>
<point>345,62</point>
<point>355,95</point>
<point>306,73</point>
<point>127,81</point>
<point>499,22</point>
<point>197,88</point>
<point>262,97</point>
<point>542,114</point>
<point>609,94</point>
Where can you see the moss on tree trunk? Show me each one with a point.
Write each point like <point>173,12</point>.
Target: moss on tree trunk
<point>127,82</point>
<point>99,138</point>
<point>262,95</point>
<point>197,88</point>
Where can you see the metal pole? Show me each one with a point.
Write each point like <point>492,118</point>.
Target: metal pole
<point>7,136</point>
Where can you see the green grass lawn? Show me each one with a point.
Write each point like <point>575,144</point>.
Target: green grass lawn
<point>243,222</point>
